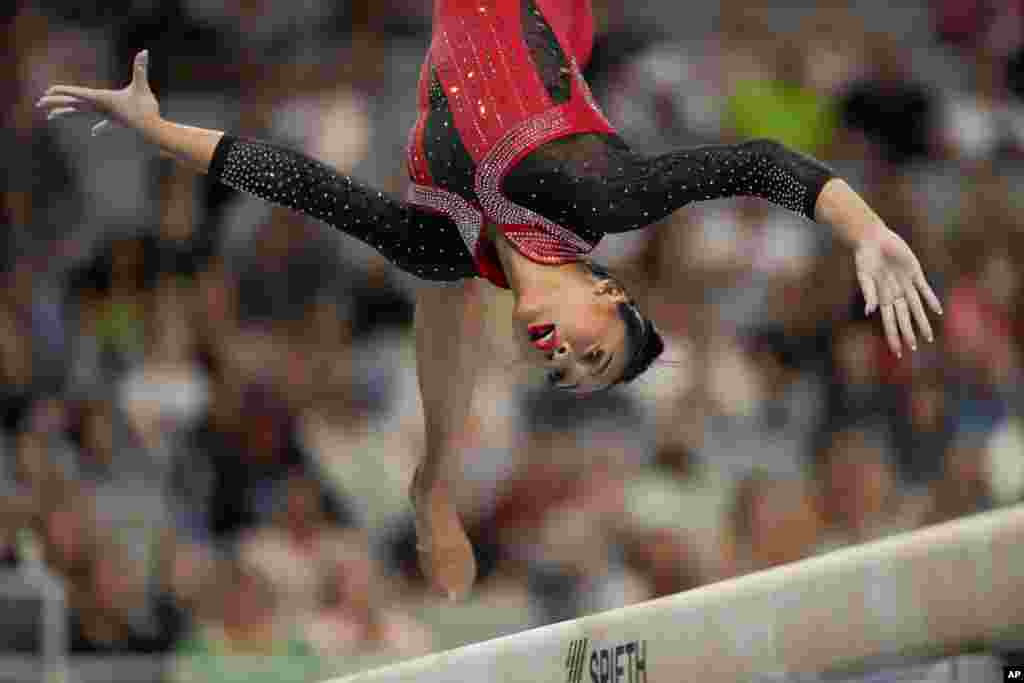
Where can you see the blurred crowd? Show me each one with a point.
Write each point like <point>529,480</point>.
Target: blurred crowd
<point>209,405</point>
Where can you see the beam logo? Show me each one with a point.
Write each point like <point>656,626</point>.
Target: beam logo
<point>574,662</point>
<point>624,662</point>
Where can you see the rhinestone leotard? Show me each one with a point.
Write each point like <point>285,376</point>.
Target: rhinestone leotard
<point>509,134</point>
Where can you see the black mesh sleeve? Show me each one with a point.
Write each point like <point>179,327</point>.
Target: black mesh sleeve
<point>421,242</point>
<point>594,182</point>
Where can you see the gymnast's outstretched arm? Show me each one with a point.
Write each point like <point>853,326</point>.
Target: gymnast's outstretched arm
<point>414,239</point>
<point>597,182</point>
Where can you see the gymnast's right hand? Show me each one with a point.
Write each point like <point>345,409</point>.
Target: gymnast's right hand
<point>134,106</point>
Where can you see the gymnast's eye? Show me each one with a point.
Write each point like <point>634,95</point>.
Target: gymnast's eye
<point>555,376</point>
<point>593,357</point>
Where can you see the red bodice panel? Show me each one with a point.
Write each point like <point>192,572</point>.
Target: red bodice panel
<point>502,112</point>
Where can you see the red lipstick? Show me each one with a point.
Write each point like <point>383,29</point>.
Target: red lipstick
<point>544,337</point>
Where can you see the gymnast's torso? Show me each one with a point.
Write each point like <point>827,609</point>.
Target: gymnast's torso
<point>502,78</point>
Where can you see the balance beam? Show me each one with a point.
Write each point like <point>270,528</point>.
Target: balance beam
<point>942,590</point>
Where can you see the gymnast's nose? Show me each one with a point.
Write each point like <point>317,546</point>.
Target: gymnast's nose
<point>559,354</point>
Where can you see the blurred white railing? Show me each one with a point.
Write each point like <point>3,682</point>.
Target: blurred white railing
<point>32,599</point>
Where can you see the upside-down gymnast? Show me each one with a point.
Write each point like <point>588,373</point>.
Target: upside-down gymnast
<point>516,176</point>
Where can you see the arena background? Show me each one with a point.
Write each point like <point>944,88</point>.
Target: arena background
<point>209,404</point>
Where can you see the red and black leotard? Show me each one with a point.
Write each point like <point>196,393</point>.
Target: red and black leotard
<point>509,133</point>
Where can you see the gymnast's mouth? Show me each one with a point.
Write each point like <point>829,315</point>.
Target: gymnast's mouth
<point>544,337</point>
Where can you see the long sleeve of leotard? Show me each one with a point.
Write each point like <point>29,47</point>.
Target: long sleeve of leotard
<point>597,183</point>
<point>418,241</point>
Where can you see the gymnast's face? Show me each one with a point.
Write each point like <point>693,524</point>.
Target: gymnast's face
<point>579,336</point>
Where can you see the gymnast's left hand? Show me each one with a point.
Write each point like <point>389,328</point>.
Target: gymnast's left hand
<point>889,274</point>
<point>892,280</point>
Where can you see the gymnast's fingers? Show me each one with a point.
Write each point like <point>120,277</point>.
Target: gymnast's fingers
<point>903,319</point>
<point>140,71</point>
<point>101,126</point>
<point>891,332</point>
<point>920,314</point>
<point>97,97</point>
<point>61,111</point>
<point>53,101</point>
<point>867,286</point>
<point>926,291</point>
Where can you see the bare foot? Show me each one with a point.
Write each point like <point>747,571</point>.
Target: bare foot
<point>445,553</point>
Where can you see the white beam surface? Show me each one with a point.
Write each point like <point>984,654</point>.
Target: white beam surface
<point>938,590</point>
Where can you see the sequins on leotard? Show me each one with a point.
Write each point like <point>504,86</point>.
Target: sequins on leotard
<point>420,242</point>
<point>575,188</point>
<point>610,193</point>
<point>598,182</point>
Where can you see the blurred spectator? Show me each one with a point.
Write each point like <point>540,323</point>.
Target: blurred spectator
<point>972,24</point>
<point>860,498</point>
<point>661,93</point>
<point>104,455</point>
<point>568,449</point>
<point>285,271</point>
<point>33,302</point>
<point>16,363</point>
<point>666,559</point>
<point>575,564</point>
<point>226,476</point>
<point>838,46</point>
<point>352,615</point>
<point>40,460</point>
<point>764,411</point>
<point>217,305</point>
<point>746,41</point>
<point>859,387</point>
<point>984,354</point>
<point>111,293</point>
<point>773,521</point>
<point>245,638</point>
<point>924,430</point>
<point>167,392</point>
<point>685,494</point>
<point>124,479</point>
<point>296,550</point>
<point>183,572</point>
<point>263,29</point>
<point>986,122</point>
<point>578,569</point>
<point>68,531</point>
<point>1005,460</point>
<point>1015,73</point>
<point>188,230</point>
<point>896,116</point>
<point>42,192</point>
<point>781,103</point>
<point>964,487</point>
<point>112,613</point>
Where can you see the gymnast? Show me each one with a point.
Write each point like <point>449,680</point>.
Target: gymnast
<point>516,176</point>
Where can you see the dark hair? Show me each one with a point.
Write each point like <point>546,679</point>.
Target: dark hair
<point>642,339</point>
